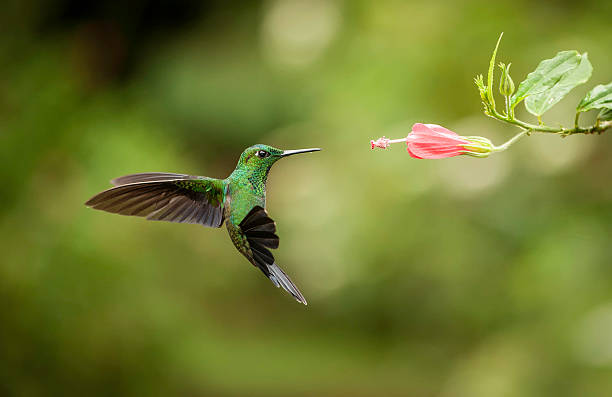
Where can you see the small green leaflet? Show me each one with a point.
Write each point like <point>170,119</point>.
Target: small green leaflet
<point>605,115</point>
<point>552,80</point>
<point>490,74</point>
<point>599,97</point>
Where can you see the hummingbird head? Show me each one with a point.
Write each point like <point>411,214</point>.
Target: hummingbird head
<point>262,157</point>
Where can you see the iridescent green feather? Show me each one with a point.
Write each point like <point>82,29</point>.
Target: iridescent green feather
<point>212,188</point>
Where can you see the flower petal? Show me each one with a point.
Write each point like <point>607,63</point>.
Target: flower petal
<point>440,129</point>
<point>429,151</point>
<point>422,133</point>
<point>412,154</point>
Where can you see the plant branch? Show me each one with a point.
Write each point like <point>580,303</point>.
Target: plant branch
<point>597,128</point>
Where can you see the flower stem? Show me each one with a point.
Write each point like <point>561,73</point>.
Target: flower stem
<point>576,120</point>
<point>508,113</point>
<point>511,141</point>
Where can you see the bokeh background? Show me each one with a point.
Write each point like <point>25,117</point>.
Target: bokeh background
<point>454,278</point>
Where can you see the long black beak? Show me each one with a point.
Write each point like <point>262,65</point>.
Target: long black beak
<point>298,151</point>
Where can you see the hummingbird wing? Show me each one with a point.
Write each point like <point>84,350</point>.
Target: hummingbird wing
<point>260,233</point>
<point>165,197</point>
<point>150,177</point>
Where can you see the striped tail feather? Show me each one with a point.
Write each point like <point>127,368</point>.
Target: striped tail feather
<point>260,232</point>
<point>280,279</point>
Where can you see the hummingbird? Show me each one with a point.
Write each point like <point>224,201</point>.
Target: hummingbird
<point>239,201</point>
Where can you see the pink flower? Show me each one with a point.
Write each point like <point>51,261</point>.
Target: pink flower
<point>431,141</point>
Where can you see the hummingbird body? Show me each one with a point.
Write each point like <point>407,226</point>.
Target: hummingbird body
<point>239,201</point>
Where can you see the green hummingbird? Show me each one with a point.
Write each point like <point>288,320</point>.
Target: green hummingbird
<point>238,200</point>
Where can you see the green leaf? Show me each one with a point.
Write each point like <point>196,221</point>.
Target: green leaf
<point>605,115</point>
<point>482,89</point>
<point>490,74</point>
<point>538,104</point>
<point>552,80</point>
<point>599,97</point>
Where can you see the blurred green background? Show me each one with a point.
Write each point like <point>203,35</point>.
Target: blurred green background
<point>451,278</point>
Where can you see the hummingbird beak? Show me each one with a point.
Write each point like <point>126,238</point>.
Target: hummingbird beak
<point>298,151</point>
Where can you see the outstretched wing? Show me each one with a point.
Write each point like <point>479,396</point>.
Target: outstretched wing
<point>151,177</point>
<point>165,197</point>
<point>260,232</point>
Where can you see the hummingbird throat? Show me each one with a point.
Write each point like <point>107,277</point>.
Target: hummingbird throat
<point>258,180</point>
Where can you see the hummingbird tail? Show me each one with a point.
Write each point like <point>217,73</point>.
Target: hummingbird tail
<point>259,230</point>
<point>280,279</point>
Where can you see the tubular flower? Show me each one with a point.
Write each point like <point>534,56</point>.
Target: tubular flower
<point>431,141</point>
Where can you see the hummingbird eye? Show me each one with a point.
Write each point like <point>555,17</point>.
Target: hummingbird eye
<point>262,154</point>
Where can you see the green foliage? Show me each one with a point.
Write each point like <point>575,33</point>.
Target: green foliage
<point>490,74</point>
<point>482,89</point>
<point>605,115</point>
<point>599,97</point>
<point>538,103</point>
<point>552,80</point>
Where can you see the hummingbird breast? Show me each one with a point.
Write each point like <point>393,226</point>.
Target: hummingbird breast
<point>242,195</point>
